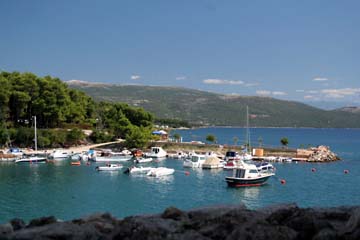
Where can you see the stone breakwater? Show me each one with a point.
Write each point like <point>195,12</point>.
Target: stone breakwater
<point>223,222</point>
<point>322,154</point>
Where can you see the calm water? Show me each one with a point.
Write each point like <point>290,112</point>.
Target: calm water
<point>67,192</point>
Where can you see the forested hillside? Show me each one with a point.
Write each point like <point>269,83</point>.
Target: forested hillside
<point>205,108</point>
<point>61,112</point>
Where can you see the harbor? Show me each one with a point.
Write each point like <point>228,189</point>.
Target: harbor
<point>86,189</point>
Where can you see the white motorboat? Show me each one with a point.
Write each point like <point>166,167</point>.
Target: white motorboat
<point>109,167</point>
<point>156,152</point>
<point>60,154</point>
<point>196,161</point>
<point>16,152</point>
<point>32,159</point>
<point>137,170</point>
<point>111,159</point>
<point>143,160</point>
<point>160,171</point>
<point>246,175</point>
<point>265,167</point>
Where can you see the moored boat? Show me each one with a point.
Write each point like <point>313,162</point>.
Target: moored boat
<point>137,170</point>
<point>109,167</point>
<point>143,160</point>
<point>60,154</point>
<point>156,152</point>
<point>160,171</point>
<point>247,175</point>
<point>212,162</point>
<point>196,161</point>
<point>32,159</point>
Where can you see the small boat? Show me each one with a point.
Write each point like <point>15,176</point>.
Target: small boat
<point>137,170</point>
<point>230,165</point>
<point>32,159</point>
<point>111,159</point>
<point>160,171</point>
<point>196,161</point>
<point>247,175</point>
<point>60,154</point>
<point>109,167</point>
<point>143,160</point>
<point>212,162</point>
<point>265,167</point>
<point>15,151</point>
<point>156,152</point>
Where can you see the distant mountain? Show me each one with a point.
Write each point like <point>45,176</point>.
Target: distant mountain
<point>350,109</point>
<point>205,108</point>
<point>329,105</point>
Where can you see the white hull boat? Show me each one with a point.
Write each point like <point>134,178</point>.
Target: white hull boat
<point>160,171</point>
<point>34,159</point>
<point>157,152</point>
<point>196,161</point>
<point>138,170</point>
<point>112,159</point>
<point>109,167</point>
<point>143,160</point>
<point>60,154</point>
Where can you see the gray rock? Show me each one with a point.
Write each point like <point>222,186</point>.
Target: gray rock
<point>223,222</point>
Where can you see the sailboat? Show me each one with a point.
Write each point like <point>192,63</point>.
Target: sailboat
<point>245,155</point>
<point>32,159</point>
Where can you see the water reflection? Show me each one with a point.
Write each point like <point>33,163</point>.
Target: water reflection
<point>247,195</point>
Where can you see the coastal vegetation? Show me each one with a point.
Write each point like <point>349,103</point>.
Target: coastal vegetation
<point>208,109</point>
<point>63,113</point>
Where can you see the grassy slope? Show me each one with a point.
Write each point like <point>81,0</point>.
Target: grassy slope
<point>216,109</point>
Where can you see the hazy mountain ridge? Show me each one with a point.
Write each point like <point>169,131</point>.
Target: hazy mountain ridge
<point>208,108</point>
<point>350,109</point>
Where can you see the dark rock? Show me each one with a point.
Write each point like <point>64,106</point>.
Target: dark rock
<point>41,221</point>
<point>17,224</point>
<point>173,213</point>
<point>223,222</point>
<point>5,230</point>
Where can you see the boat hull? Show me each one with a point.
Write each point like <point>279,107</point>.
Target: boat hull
<point>245,182</point>
<point>31,160</point>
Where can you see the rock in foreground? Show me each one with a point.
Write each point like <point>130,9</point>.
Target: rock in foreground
<point>225,222</point>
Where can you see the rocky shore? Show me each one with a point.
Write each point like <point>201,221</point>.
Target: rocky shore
<point>221,222</point>
<point>322,154</point>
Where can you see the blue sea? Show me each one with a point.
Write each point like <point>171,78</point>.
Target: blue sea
<point>29,191</point>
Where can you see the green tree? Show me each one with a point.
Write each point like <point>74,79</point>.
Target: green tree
<point>138,137</point>
<point>211,138</point>
<point>284,141</point>
<point>74,136</point>
<point>177,137</point>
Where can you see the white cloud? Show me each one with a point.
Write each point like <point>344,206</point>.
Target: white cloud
<point>135,77</point>
<point>340,93</point>
<point>263,92</point>
<point>251,84</point>
<point>180,78</point>
<point>320,79</point>
<point>222,82</point>
<point>299,91</point>
<point>312,91</point>
<point>278,93</point>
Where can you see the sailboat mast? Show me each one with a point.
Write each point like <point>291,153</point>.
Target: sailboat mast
<point>35,137</point>
<point>247,129</point>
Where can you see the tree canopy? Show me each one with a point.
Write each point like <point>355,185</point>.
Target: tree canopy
<point>56,106</point>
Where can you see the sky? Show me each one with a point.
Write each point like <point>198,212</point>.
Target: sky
<point>306,51</point>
